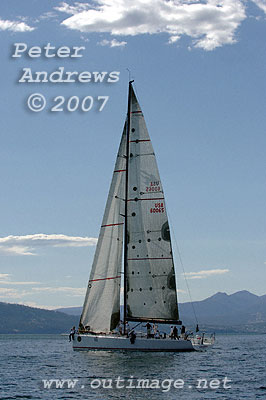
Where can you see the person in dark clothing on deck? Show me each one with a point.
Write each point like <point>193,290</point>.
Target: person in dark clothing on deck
<point>72,334</point>
<point>175,333</point>
<point>132,337</point>
<point>183,331</point>
<point>148,326</point>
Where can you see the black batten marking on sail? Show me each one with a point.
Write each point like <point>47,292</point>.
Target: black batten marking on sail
<point>126,203</point>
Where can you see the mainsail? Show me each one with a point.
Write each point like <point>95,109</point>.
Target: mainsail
<point>101,310</point>
<point>151,287</point>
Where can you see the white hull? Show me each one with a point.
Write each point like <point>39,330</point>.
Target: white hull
<point>108,342</point>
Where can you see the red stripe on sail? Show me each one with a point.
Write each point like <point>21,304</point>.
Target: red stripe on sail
<point>120,170</point>
<point>121,223</point>
<point>136,112</point>
<point>139,140</point>
<point>155,198</point>
<point>104,279</point>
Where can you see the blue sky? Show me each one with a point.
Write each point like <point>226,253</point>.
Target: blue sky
<point>199,70</point>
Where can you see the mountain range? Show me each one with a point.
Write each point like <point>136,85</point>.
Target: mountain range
<point>15,318</point>
<point>241,312</point>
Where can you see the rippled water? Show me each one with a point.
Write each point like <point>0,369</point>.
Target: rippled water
<point>27,360</point>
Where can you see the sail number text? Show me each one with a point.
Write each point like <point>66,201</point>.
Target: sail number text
<point>158,208</point>
<point>153,187</point>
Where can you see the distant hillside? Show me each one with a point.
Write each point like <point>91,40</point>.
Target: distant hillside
<point>239,312</point>
<point>70,310</point>
<point>16,318</point>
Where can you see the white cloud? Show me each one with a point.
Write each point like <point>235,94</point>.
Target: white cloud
<point>17,294</point>
<point>36,305</point>
<point>173,39</point>
<point>4,291</point>
<point>112,43</point>
<point>205,273</point>
<point>48,15</point>
<point>82,37</point>
<point>18,250</point>
<point>210,23</point>
<point>261,4</point>
<point>6,280</point>
<point>8,293</point>
<point>15,26</point>
<point>4,276</point>
<point>27,244</point>
<point>75,9</point>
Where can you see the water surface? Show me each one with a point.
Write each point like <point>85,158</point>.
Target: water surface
<point>28,360</point>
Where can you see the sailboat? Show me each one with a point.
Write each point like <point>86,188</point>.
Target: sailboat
<point>133,250</point>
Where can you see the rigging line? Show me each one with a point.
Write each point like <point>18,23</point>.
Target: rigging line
<point>132,329</point>
<point>129,74</point>
<point>183,269</point>
<point>104,279</point>
<point>136,93</point>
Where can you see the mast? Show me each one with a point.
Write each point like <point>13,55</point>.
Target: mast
<point>126,202</point>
